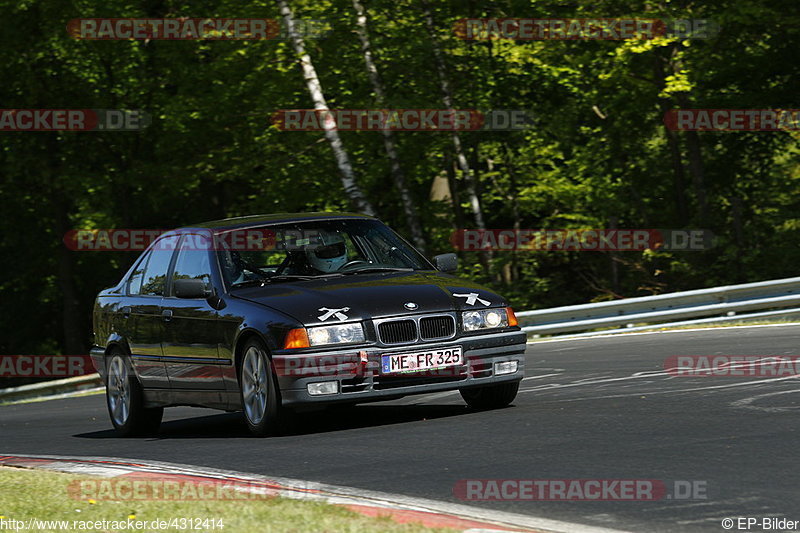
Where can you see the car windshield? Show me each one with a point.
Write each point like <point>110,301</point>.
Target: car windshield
<point>314,249</point>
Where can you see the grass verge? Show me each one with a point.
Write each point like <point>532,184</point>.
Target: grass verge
<point>33,494</point>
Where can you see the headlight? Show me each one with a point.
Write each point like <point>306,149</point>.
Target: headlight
<point>472,320</point>
<point>335,334</point>
<point>484,319</point>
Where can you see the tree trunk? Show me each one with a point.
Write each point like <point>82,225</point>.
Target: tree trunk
<point>738,233</point>
<point>516,213</point>
<point>698,175</point>
<point>613,222</point>
<point>679,184</point>
<point>679,176</point>
<point>458,213</point>
<point>351,187</point>
<point>73,334</point>
<point>447,99</point>
<point>398,176</point>
<point>693,149</point>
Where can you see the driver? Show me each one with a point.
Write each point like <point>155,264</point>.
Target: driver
<point>330,255</point>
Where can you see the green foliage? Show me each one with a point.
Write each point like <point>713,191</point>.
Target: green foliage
<point>598,154</point>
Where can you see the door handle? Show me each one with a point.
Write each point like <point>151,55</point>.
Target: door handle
<point>126,311</point>
<point>167,314</point>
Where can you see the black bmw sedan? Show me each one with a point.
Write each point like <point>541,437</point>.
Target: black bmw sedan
<point>271,314</point>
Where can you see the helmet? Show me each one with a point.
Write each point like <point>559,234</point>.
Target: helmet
<point>330,255</point>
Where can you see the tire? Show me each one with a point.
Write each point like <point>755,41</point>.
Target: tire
<point>258,391</point>
<point>490,396</point>
<point>125,399</point>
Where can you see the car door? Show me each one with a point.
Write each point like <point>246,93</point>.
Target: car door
<point>191,325</point>
<point>146,288</point>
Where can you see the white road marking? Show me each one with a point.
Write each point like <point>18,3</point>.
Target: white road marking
<point>595,381</point>
<point>540,377</point>
<point>653,393</point>
<point>747,403</point>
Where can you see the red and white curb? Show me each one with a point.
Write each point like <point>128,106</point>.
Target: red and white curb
<point>402,509</point>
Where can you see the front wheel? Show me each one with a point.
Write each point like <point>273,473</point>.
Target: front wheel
<point>125,400</point>
<point>490,396</point>
<point>258,389</point>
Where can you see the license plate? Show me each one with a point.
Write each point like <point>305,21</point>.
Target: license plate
<point>401,363</point>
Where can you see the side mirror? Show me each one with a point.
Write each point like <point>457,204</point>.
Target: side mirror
<point>191,288</point>
<point>446,262</point>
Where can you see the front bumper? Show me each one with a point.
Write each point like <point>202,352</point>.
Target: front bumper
<point>360,379</point>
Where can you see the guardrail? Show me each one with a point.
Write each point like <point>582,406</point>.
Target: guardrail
<point>51,388</point>
<point>721,301</point>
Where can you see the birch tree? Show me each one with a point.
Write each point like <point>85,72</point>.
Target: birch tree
<point>351,187</point>
<point>447,100</point>
<point>398,176</point>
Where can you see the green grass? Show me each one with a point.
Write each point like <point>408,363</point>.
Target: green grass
<point>26,494</point>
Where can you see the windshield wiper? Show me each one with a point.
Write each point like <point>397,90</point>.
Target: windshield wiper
<point>291,277</point>
<point>378,269</point>
<point>247,283</point>
<point>285,277</point>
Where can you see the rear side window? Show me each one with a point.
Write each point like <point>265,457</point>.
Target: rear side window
<point>154,279</point>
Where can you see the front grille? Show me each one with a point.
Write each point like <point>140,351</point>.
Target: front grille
<point>397,331</point>
<point>437,327</point>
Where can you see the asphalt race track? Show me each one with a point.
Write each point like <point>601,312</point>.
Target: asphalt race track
<point>601,408</point>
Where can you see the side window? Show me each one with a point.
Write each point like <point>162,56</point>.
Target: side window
<point>192,261</point>
<point>135,281</point>
<point>155,274</point>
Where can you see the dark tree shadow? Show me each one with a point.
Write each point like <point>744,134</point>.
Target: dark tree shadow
<point>335,418</point>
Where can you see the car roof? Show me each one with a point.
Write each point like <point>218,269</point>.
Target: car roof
<point>260,220</point>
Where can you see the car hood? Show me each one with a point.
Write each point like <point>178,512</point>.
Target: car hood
<point>371,295</point>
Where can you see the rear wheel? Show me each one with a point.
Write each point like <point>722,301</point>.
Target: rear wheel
<point>125,399</point>
<point>258,389</point>
<point>490,396</point>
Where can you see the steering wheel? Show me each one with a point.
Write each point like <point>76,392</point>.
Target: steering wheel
<point>254,269</point>
<point>351,263</point>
